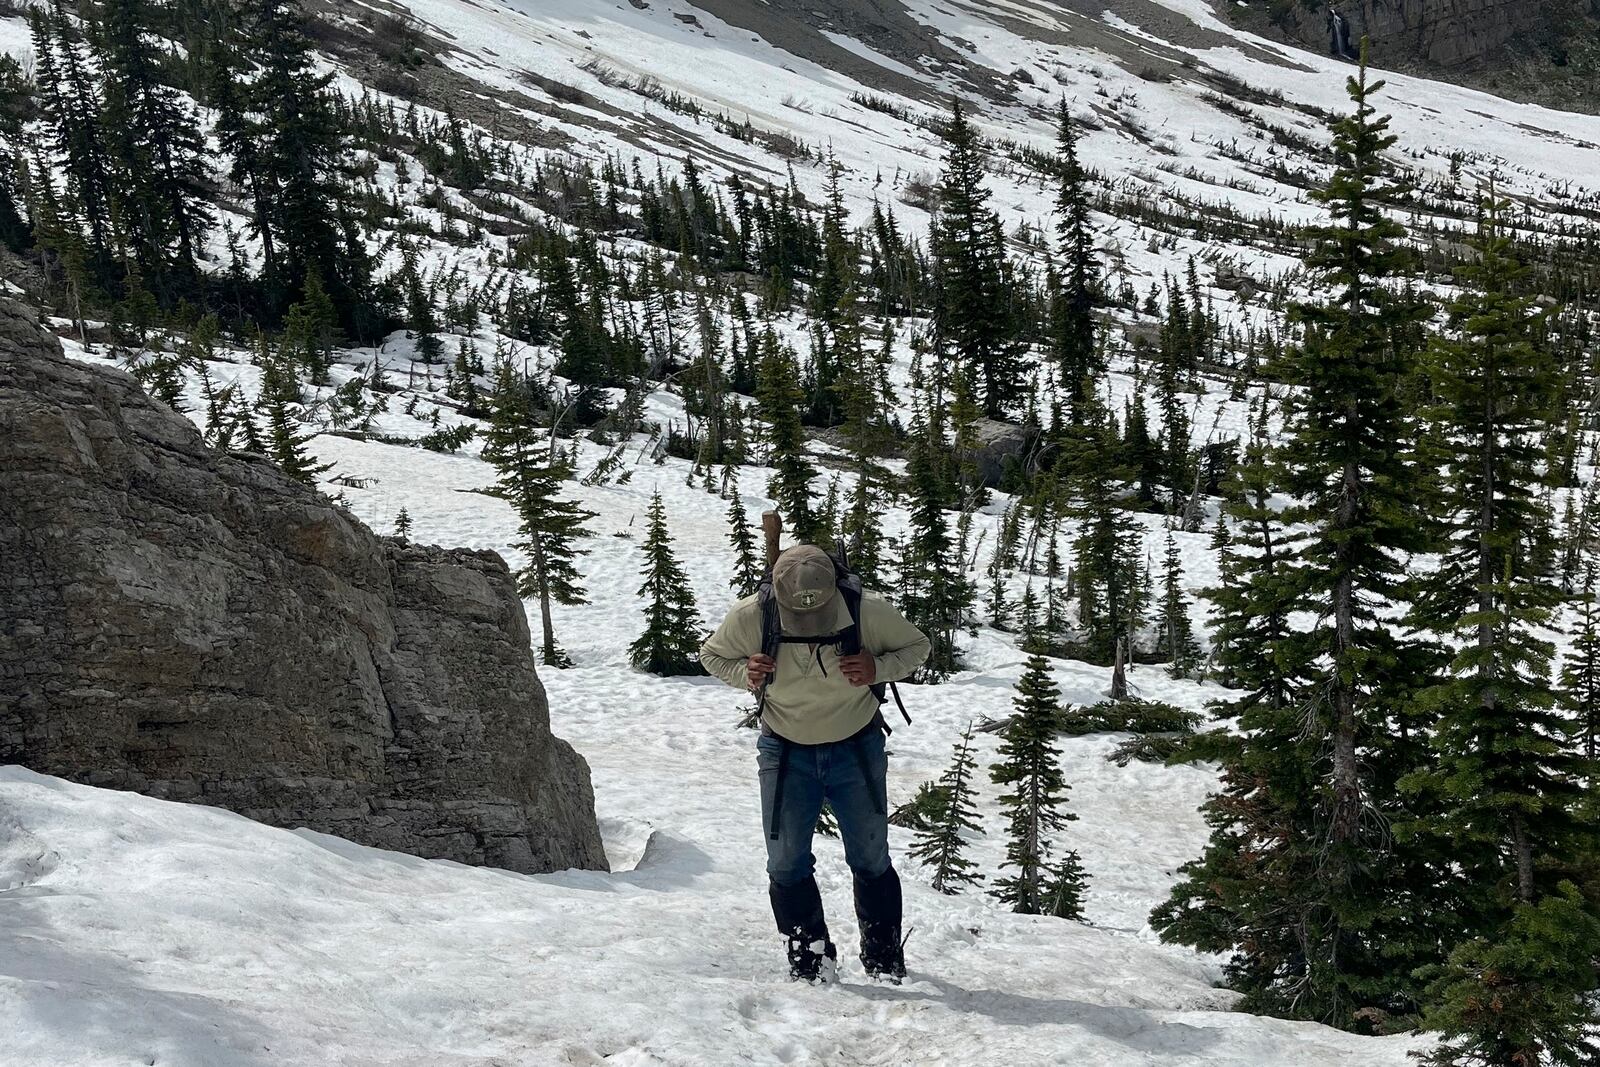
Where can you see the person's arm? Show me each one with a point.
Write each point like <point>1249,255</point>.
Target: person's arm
<point>901,647</point>
<point>726,652</point>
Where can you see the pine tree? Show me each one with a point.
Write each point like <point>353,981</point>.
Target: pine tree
<point>1078,359</point>
<point>16,106</point>
<point>1580,674</point>
<point>1177,639</point>
<point>279,124</point>
<point>1107,547</point>
<point>1068,886</point>
<point>155,148</point>
<point>973,313</point>
<point>1509,788</point>
<point>279,402</point>
<point>1509,784</point>
<point>747,567</point>
<point>1030,765</point>
<point>672,631</point>
<point>311,331</point>
<point>1322,923</point>
<point>1251,605</point>
<point>1508,1001</point>
<point>941,843</point>
<point>402,527</point>
<point>778,401</point>
<point>934,591</point>
<point>548,525</point>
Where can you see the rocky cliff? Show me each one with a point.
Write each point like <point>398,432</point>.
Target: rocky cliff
<point>195,626</point>
<point>1448,34</point>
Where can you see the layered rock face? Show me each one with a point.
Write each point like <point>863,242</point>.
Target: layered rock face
<point>1444,33</point>
<point>195,626</point>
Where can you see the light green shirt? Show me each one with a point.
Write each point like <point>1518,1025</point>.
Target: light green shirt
<point>809,700</point>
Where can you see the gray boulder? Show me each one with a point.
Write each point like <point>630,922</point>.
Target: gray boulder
<point>195,626</point>
<point>998,444</point>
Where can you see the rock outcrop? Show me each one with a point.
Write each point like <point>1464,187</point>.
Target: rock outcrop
<point>196,626</point>
<point>1446,34</point>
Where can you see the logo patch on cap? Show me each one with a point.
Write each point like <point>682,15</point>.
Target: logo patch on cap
<point>808,598</point>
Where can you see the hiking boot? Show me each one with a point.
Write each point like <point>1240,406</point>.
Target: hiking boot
<point>878,910</point>
<point>884,961</point>
<point>813,961</point>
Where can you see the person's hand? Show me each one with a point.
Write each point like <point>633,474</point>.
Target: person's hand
<point>859,669</point>
<point>756,669</point>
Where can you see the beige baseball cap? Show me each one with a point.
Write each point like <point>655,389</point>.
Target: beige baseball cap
<point>806,588</point>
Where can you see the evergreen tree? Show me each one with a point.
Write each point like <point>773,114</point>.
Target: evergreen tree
<point>747,568</point>
<point>941,841</point>
<point>1251,605</point>
<point>934,591</point>
<point>1349,462</point>
<point>1508,1001</point>
<point>1177,639</point>
<point>672,633</point>
<point>1068,886</point>
<point>1078,359</point>
<point>974,313</point>
<point>402,527</point>
<point>1107,546</point>
<point>278,121</point>
<point>1030,765</point>
<point>548,525</point>
<point>73,113</point>
<point>156,150</point>
<point>311,331</point>
<point>1322,924</point>
<point>1580,674</point>
<point>16,107</point>
<point>279,403</point>
<point>1508,786</point>
<point>778,401</point>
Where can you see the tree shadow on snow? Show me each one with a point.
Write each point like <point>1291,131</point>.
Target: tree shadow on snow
<point>1135,1028</point>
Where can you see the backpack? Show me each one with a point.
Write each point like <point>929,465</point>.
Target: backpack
<point>847,640</point>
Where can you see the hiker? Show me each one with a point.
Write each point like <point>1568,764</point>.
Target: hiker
<point>822,739</point>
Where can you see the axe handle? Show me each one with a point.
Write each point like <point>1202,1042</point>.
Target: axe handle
<point>771,530</point>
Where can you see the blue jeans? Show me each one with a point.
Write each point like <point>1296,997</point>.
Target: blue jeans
<point>850,776</point>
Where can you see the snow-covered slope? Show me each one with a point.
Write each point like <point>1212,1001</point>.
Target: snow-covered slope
<point>143,932</point>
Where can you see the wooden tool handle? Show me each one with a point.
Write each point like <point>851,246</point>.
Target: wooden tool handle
<point>772,530</point>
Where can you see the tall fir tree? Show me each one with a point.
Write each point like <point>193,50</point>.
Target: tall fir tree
<point>16,110</point>
<point>935,593</point>
<point>1322,924</point>
<point>973,313</point>
<point>672,633</point>
<point>778,401</point>
<point>1507,787</point>
<point>156,149</point>
<point>278,121</point>
<point>1079,361</point>
<point>1107,547</point>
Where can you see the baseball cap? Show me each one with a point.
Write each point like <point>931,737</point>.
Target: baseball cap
<point>805,586</point>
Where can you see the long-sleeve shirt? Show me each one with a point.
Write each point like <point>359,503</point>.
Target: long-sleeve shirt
<point>809,700</point>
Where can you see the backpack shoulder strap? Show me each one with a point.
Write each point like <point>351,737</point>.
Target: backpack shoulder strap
<point>850,589</point>
<point>770,627</point>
